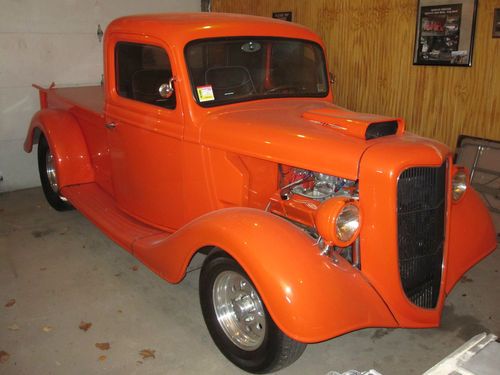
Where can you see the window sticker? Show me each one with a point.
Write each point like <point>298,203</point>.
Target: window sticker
<point>205,93</point>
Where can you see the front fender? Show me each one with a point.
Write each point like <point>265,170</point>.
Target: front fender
<point>472,236</point>
<point>66,143</point>
<point>310,297</point>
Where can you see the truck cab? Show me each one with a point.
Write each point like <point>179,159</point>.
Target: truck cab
<point>218,134</point>
<point>206,77</point>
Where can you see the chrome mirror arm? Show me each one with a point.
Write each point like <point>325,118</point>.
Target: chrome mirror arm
<point>166,90</point>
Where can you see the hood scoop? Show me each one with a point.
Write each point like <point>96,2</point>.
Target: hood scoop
<point>359,125</point>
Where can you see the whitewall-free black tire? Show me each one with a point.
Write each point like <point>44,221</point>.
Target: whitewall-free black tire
<point>48,176</point>
<point>238,320</point>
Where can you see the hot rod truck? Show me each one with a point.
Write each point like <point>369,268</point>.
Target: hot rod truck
<point>216,133</point>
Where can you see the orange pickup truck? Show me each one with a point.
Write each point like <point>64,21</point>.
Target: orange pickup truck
<point>216,133</point>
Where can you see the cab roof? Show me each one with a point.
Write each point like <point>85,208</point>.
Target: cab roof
<point>181,28</point>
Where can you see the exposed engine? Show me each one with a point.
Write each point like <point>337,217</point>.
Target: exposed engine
<point>322,205</point>
<point>315,185</point>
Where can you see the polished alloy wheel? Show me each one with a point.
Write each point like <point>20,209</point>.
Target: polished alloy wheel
<point>50,169</point>
<point>47,169</point>
<point>237,318</point>
<point>239,310</point>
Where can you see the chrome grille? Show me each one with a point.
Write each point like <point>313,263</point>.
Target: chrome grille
<point>421,228</point>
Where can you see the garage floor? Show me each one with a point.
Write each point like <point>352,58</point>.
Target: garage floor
<point>57,270</point>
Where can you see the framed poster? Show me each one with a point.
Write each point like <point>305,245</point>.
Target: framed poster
<point>445,32</point>
<point>284,16</point>
<point>496,23</point>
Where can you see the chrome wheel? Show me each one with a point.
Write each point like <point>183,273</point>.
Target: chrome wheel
<point>50,169</point>
<point>239,310</point>
<point>237,318</point>
<point>47,169</point>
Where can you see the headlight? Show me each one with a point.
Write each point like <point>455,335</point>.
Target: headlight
<point>347,222</point>
<point>459,184</point>
<point>338,221</point>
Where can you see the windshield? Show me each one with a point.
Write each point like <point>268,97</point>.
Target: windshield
<point>225,70</point>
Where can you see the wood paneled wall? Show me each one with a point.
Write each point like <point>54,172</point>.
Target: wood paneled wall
<point>370,51</point>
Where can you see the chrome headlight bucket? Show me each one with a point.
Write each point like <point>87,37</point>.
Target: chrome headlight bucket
<point>347,223</point>
<point>459,184</point>
<point>338,221</point>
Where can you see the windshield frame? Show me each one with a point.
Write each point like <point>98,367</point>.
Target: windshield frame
<point>256,97</point>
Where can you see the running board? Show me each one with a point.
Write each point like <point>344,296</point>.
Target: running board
<point>100,208</point>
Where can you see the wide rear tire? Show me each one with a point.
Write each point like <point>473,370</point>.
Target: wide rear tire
<point>238,320</point>
<point>48,177</point>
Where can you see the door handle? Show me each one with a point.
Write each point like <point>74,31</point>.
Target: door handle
<point>110,125</point>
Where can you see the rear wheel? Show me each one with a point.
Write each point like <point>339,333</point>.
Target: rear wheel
<point>48,177</point>
<point>238,321</point>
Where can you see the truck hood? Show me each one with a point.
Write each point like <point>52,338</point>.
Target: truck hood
<point>307,134</point>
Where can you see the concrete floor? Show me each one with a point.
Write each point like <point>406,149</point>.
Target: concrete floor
<point>62,270</point>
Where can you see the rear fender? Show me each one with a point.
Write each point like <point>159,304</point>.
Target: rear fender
<point>310,297</point>
<point>66,143</point>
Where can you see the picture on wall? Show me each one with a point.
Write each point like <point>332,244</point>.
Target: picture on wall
<point>445,32</point>
<point>496,23</point>
<point>284,16</point>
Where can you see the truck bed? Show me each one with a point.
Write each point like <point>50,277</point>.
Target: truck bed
<point>86,106</point>
<point>89,98</point>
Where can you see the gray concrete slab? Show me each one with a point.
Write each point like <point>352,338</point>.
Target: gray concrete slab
<point>62,270</point>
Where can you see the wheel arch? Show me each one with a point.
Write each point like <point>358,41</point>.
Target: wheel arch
<point>308,295</point>
<point>66,142</point>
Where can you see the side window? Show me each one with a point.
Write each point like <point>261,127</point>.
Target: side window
<point>140,70</point>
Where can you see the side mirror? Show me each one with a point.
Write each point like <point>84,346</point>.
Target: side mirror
<point>166,90</point>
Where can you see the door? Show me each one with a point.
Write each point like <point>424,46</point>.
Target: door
<point>144,131</point>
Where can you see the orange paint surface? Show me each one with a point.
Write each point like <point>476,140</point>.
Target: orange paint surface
<point>167,183</point>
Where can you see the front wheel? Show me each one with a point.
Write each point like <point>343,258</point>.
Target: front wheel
<point>238,321</point>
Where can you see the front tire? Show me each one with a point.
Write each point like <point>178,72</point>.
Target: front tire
<point>238,320</point>
<point>48,177</point>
